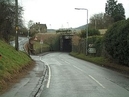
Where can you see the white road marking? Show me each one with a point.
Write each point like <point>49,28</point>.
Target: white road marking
<point>49,77</point>
<point>90,76</point>
<point>66,62</point>
<point>96,81</point>
<point>78,68</point>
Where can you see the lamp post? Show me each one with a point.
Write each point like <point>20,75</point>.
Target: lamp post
<point>87,28</point>
<point>50,28</point>
<point>16,25</point>
<point>68,24</point>
<point>95,22</point>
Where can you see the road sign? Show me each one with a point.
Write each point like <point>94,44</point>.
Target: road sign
<point>92,50</point>
<point>17,28</point>
<point>91,45</point>
<point>41,41</point>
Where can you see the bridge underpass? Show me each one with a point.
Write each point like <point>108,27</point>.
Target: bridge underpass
<point>66,43</point>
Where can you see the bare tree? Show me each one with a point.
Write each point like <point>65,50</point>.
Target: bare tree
<point>7,19</point>
<point>30,23</point>
<point>100,21</point>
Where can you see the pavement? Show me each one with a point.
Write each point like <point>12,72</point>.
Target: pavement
<point>31,84</point>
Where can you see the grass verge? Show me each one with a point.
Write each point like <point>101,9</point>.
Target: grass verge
<point>40,48</point>
<point>102,62</point>
<point>12,63</point>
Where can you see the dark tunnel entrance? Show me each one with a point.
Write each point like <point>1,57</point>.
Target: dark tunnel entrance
<point>66,43</point>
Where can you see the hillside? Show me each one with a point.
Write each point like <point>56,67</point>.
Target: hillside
<point>77,28</point>
<point>12,63</point>
<point>81,27</point>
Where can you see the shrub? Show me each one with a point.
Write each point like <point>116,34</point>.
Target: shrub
<point>91,32</point>
<point>116,42</point>
<point>97,42</point>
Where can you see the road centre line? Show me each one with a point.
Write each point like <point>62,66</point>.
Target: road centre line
<point>64,60</point>
<point>96,81</point>
<point>78,69</point>
<point>90,76</point>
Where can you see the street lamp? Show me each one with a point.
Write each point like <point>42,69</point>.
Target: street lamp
<point>87,28</point>
<point>68,24</point>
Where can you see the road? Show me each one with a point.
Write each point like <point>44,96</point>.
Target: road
<point>21,41</point>
<point>71,77</point>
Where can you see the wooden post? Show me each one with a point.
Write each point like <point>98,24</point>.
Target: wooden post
<point>0,56</point>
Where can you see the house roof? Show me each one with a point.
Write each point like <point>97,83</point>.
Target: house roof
<point>39,25</point>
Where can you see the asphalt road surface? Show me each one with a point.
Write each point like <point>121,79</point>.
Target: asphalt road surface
<point>72,77</point>
<point>21,41</point>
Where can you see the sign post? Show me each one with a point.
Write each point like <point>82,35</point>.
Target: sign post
<point>41,42</point>
<point>92,49</point>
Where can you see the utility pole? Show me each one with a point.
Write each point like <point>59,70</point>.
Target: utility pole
<point>16,25</point>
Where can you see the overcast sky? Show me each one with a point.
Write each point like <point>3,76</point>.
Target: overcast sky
<point>62,14</point>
